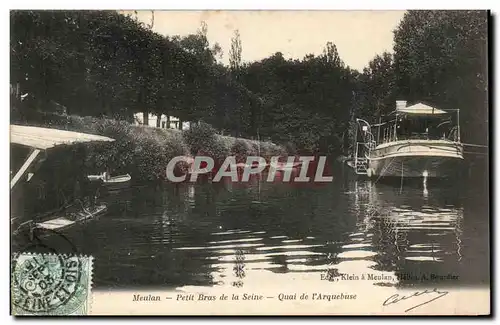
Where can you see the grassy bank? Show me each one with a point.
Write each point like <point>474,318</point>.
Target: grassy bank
<point>144,152</point>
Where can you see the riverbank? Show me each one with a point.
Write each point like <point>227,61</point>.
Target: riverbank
<point>143,151</point>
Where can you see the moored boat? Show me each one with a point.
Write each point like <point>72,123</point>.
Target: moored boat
<point>49,188</point>
<point>117,182</point>
<point>413,141</point>
<point>112,182</point>
<point>70,217</point>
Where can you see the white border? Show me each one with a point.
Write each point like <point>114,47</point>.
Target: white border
<point>255,4</point>
<point>213,4</point>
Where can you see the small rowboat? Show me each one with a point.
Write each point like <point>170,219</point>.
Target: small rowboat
<point>117,182</point>
<point>62,219</point>
<point>113,182</point>
<point>70,218</point>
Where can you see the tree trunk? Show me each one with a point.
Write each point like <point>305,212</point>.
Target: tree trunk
<point>180,124</point>
<point>16,96</point>
<point>158,120</point>
<point>18,92</point>
<point>168,121</point>
<point>145,117</point>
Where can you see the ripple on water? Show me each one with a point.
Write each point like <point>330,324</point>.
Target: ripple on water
<point>291,241</point>
<point>356,245</point>
<point>422,245</point>
<point>231,232</point>
<point>356,254</point>
<point>295,253</point>
<point>287,247</point>
<point>425,251</point>
<point>424,258</point>
<point>218,247</point>
<point>235,240</point>
<point>354,235</point>
<point>437,234</point>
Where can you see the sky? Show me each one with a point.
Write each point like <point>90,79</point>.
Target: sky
<point>358,35</point>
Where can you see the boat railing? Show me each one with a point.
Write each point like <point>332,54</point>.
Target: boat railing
<point>370,142</point>
<point>360,159</point>
<point>388,135</point>
<point>453,135</point>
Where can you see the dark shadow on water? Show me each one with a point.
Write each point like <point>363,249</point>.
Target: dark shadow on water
<point>208,234</point>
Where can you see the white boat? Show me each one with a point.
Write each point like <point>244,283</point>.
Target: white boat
<point>39,182</point>
<point>112,182</point>
<point>117,182</point>
<point>413,141</point>
<point>71,217</point>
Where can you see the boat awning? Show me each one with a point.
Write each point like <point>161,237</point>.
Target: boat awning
<point>45,138</point>
<point>420,109</point>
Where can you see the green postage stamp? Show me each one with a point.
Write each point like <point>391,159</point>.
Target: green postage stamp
<point>48,284</point>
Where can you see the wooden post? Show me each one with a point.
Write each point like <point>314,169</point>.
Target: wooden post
<point>379,126</point>
<point>356,144</point>
<point>396,127</point>
<point>356,157</point>
<point>24,168</point>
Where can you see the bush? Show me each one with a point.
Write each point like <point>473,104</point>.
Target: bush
<point>241,149</point>
<point>202,140</point>
<point>255,148</point>
<point>291,149</point>
<point>150,158</point>
<point>144,152</point>
<point>269,149</point>
<point>201,136</point>
<point>219,151</point>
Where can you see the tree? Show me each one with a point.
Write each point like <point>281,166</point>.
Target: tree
<point>235,69</point>
<point>378,82</point>
<point>235,53</point>
<point>441,57</point>
<point>306,102</point>
<point>331,55</point>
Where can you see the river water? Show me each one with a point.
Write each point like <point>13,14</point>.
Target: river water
<point>236,235</point>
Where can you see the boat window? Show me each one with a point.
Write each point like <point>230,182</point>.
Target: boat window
<point>423,128</point>
<point>418,127</point>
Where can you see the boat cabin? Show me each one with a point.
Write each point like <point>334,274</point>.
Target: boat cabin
<point>416,122</point>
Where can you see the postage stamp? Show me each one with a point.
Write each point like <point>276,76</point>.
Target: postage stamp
<point>51,285</point>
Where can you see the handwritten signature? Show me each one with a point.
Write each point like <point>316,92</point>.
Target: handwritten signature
<point>397,298</point>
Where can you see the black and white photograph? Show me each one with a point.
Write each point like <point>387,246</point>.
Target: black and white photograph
<point>250,162</point>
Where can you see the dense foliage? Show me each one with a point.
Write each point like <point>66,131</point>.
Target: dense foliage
<point>440,58</point>
<point>144,152</point>
<point>105,64</point>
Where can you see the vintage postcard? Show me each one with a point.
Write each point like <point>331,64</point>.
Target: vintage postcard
<point>249,163</point>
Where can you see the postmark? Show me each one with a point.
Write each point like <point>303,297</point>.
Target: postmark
<point>51,284</point>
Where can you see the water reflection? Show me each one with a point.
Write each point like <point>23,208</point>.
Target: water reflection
<point>412,233</point>
<point>398,233</point>
<point>238,235</point>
